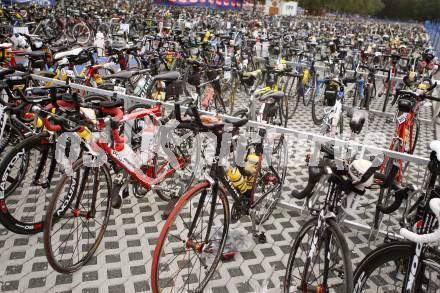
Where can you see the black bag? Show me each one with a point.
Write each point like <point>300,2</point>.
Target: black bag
<point>174,89</point>
<point>330,94</point>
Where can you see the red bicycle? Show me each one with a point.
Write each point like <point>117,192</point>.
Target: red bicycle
<point>407,131</point>
<point>390,83</point>
<point>82,202</point>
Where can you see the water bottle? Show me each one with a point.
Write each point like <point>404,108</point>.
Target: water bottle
<point>238,180</point>
<point>100,44</point>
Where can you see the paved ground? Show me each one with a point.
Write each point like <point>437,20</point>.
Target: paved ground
<point>122,262</point>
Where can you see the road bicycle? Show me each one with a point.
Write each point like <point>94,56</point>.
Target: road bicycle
<point>82,202</point>
<point>390,84</point>
<point>319,260</point>
<point>365,90</point>
<point>407,131</point>
<point>28,167</point>
<point>192,239</point>
<point>332,119</point>
<point>412,264</point>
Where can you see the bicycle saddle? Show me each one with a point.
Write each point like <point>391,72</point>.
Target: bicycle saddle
<point>115,50</point>
<point>70,53</point>
<point>169,76</point>
<point>272,95</point>
<point>357,119</point>
<point>112,104</point>
<point>254,73</point>
<point>236,123</point>
<point>123,74</point>
<point>46,73</point>
<point>37,91</point>
<point>4,72</point>
<point>405,105</point>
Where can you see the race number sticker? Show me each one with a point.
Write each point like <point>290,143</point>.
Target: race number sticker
<point>20,30</point>
<point>70,73</point>
<point>120,89</point>
<point>402,118</point>
<point>125,27</point>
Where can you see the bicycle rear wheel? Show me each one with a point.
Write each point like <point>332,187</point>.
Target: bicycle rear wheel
<point>291,98</point>
<point>385,193</point>
<point>388,92</point>
<point>81,33</point>
<point>318,105</point>
<point>77,217</point>
<point>185,259</point>
<point>270,182</point>
<point>384,270</point>
<point>11,135</point>
<point>324,265</point>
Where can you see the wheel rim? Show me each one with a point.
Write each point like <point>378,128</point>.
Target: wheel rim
<point>187,263</point>
<point>306,275</point>
<point>75,227</point>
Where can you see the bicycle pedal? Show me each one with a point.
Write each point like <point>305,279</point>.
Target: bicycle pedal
<point>118,193</point>
<point>227,256</point>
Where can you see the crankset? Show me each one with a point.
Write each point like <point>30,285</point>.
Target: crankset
<point>236,213</point>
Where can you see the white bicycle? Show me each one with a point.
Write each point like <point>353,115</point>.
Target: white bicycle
<point>409,266</point>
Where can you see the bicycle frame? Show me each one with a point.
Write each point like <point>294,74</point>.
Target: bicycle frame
<point>148,180</point>
<point>404,132</point>
<point>217,175</point>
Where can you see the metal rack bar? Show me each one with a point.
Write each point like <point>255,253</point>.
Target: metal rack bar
<point>296,133</point>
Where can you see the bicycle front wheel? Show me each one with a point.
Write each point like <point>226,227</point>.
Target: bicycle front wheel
<point>319,260</point>
<point>270,180</point>
<point>384,270</point>
<point>81,33</point>
<point>191,242</point>
<point>26,172</point>
<point>77,217</point>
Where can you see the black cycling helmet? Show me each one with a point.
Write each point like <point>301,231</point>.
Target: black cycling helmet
<point>428,55</point>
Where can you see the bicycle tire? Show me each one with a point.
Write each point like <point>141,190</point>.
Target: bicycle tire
<point>292,95</point>
<point>56,213</point>
<point>341,124</point>
<point>264,207</point>
<point>368,95</point>
<point>355,97</point>
<point>416,136</point>
<point>317,119</point>
<point>10,199</point>
<point>10,135</point>
<point>75,32</point>
<point>382,196</point>
<point>387,96</point>
<point>229,91</point>
<point>336,234</point>
<point>394,252</point>
<point>170,224</point>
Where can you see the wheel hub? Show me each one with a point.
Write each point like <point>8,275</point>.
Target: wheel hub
<point>76,212</point>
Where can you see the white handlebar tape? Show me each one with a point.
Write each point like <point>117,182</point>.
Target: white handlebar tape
<point>434,204</point>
